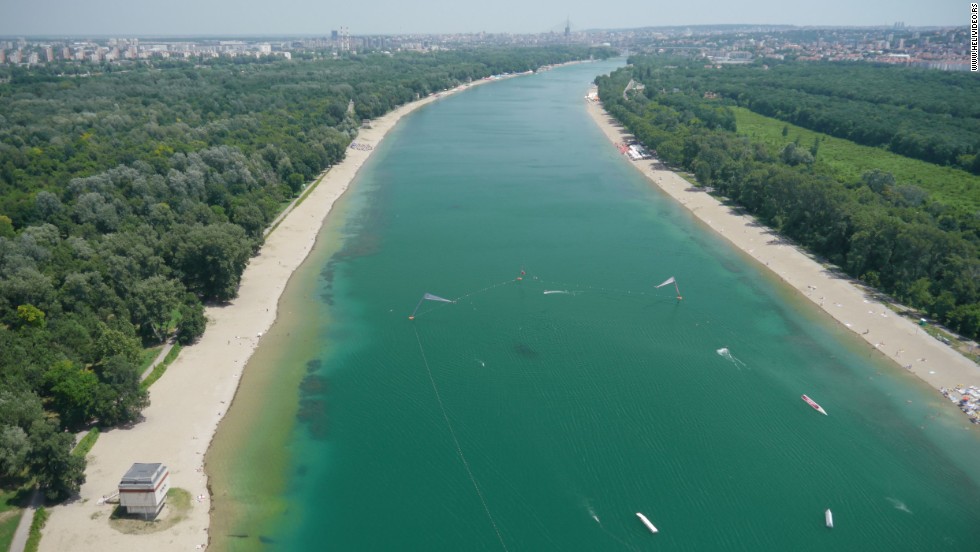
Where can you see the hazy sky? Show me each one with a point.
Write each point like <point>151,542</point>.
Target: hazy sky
<point>318,17</point>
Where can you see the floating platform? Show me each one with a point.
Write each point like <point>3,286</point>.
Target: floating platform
<point>653,529</point>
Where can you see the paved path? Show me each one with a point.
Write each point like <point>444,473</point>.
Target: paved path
<point>163,354</point>
<point>275,222</point>
<point>24,527</point>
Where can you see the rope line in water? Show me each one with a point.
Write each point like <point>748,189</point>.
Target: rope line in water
<point>459,449</point>
<point>572,288</point>
<point>581,288</point>
<point>578,288</point>
<point>465,296</point>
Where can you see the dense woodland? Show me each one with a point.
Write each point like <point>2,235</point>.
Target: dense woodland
<point>130,198</point>
<point>920,113</point>
<point>892,234</point>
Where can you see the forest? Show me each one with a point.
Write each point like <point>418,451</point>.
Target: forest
<point>130,198</point>
<point>907,239</point>
<point>919,113</point>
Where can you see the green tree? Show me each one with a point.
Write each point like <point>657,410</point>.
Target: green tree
<point>879,181</point>
<point>152,305</point>
<point>965,319</point>
<point>212,259</point>
<point>111,342</point>
<point>919,294</point>
<point>73,391</point>
<point>6,227</point>
<point>192,322</point>
<point>119,399</point>
<point>249,217</point>
<point>31,316</point>
<point>794,155</point>
<point>14,450</point>
<point>58,471</point>
<point>295,182</point>
<point>18,412</point>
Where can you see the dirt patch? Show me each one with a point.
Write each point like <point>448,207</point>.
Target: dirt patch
<point>4,516</point>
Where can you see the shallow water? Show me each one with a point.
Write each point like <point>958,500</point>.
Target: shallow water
<point>516,419</point>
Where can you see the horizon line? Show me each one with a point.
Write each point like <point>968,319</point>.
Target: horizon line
<point>600,29</point>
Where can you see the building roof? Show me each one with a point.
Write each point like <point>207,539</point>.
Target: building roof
<point>142,476</point>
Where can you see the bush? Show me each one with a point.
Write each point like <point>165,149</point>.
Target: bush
<point>34,537</point>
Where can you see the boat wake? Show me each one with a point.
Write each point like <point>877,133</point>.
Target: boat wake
<point>592,513</point>
<point>727,355</point>
<point>898,504</point>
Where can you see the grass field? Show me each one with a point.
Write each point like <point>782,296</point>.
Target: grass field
<point>848,161</point>
<point>157,372</point>
<point>148,357</point>
<point>10,512</point>
<point>8,524</point>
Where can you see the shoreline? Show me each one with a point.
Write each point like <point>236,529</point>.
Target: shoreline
<point>891,335</point>
<point>192,397</point>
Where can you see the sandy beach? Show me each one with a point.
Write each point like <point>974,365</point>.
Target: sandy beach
<point>895,337</point>
<point>189,401</point>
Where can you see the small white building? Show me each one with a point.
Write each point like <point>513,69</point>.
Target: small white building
<point>143,490</point>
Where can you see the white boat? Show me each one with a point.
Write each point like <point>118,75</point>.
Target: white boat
<point>814,404</point>
<point>828,517</point>
<point>653,529</point>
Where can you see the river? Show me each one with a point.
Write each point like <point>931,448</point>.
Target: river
<point>562,392</point>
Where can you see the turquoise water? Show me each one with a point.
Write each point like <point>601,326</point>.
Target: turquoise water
<point>519,420</point>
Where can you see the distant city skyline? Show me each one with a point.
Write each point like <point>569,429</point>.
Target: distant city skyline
<point>307,17</point>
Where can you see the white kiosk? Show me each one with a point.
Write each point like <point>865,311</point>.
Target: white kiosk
<point>143,490</point>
